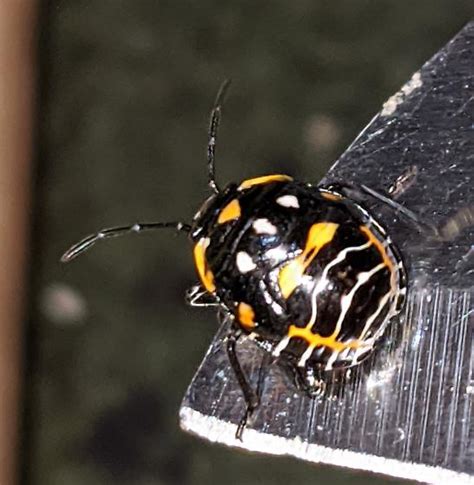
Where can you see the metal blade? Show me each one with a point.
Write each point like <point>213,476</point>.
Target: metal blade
<point>409,411</point>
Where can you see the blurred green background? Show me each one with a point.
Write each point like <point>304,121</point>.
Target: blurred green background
<point>126,90</point>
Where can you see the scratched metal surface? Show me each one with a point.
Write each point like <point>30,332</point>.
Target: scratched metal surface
<point>408,412</point>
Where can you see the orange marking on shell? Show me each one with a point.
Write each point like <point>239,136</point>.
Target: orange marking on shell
<point>380,247</point>
<point>229,212</point>
<point>315,340</point>
<point>331,196</point>
<point>291,273</point>
<point>246,316</point>
<point>265,179</point>
<point>205,274</point>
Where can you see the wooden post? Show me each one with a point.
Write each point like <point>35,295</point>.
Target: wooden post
<point>17,81</point>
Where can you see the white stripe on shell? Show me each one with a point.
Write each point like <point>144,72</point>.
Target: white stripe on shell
<point>374,315</point>
<point>340,257</point>
<point>323,280</point>
<point>314,305</point>
<point>281,346</point>
<point>306,355</point>
<point>362,350</point>
<point>331,360</point>
<point>346,300</point>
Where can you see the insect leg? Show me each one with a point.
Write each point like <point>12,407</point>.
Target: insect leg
<point>304,380</point>
<point>355,191</point>
<point>251,397</point>
<point>200,297</point>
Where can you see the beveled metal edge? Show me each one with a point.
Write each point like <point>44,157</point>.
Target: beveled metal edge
<point>218,431</point>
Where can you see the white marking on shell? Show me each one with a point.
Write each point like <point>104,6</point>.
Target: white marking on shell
<point>288,201</point>
<point>323,280</point>
<point>269,300</point>
<point>264,226</point>
<point>331,360</point>
<point>346,300</point>
<point>307,354</point>
<point>362,350</point>
<point>374,315</point>
<point>395,273</point>
<point>345,353</point>
<point>205,241</point>
<point>244,262</point>
<point>395,290</point>
<point>281,346</point>
<point>277,253</point>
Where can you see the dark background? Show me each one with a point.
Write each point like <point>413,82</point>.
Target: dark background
<point>125,93</point>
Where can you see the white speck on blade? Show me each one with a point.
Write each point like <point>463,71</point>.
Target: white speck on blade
<point>392,103</point>
<point>401,435</point>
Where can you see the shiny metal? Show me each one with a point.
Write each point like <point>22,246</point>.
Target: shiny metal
<point>409,411</point>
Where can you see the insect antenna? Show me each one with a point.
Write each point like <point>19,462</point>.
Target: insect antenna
<point>213,127</point>
<point>110,232</point>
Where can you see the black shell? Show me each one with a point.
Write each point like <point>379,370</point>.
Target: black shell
<point>308,272</point>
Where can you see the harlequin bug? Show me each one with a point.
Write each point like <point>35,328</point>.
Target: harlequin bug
<point>305,271</point>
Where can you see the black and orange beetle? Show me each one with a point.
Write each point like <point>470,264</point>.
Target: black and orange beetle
<point>305,271</point>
